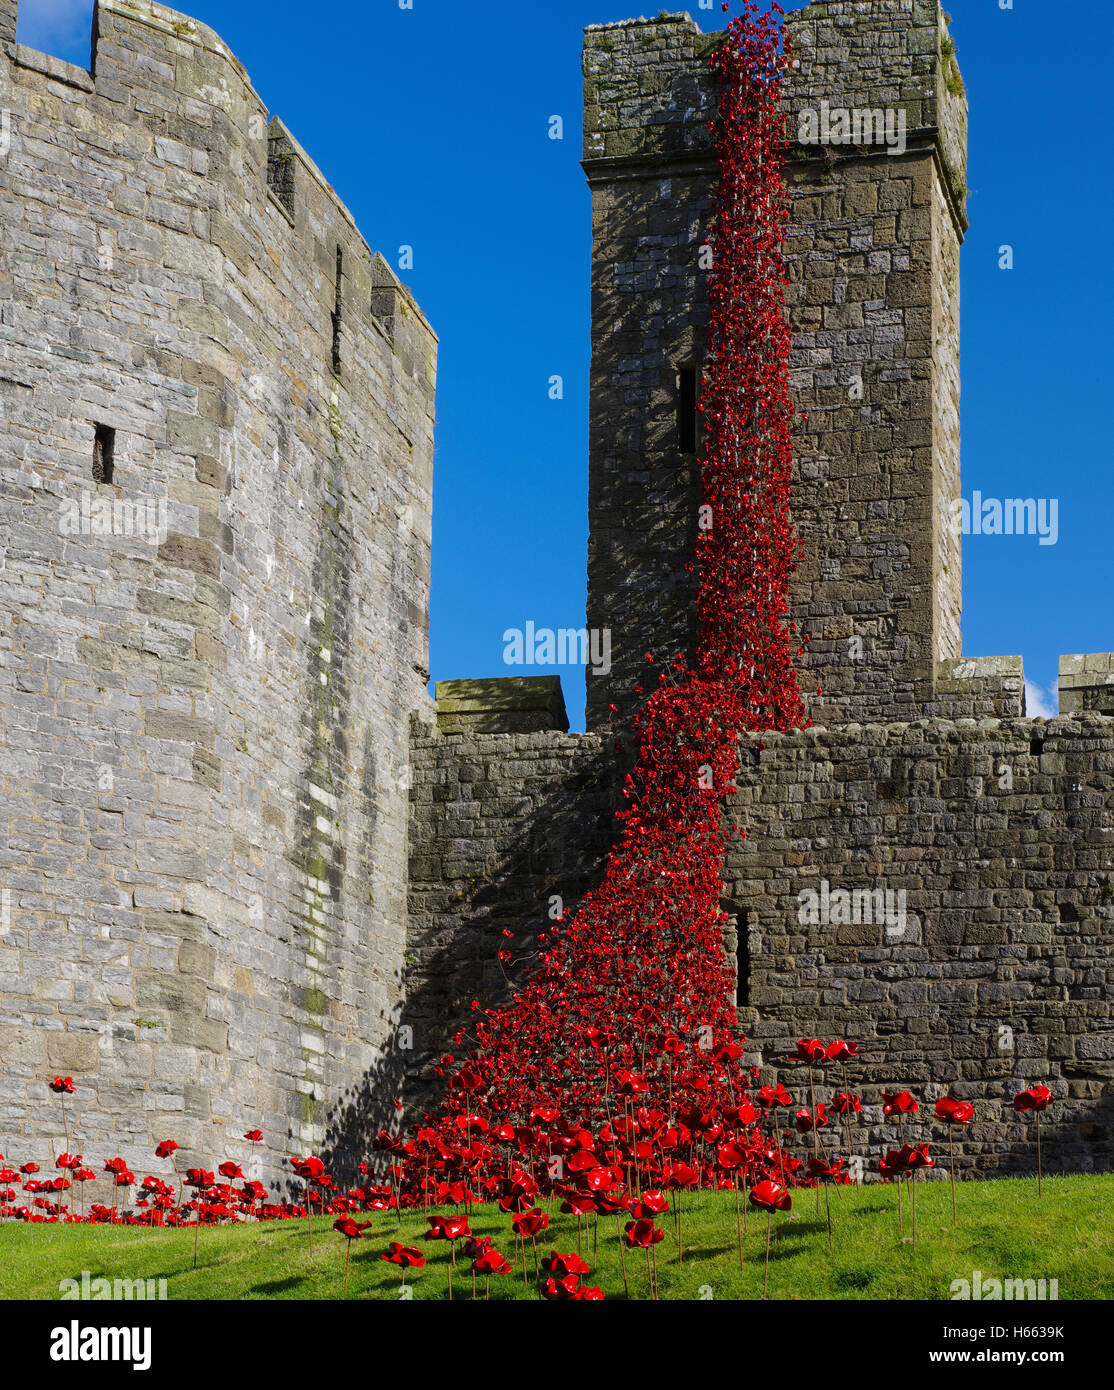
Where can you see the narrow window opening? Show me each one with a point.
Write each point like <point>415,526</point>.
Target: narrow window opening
<point>104,453</point>
<point>687,414</point>
<point>338,306</point>
<point>742,963</point>
<point>1036,746</point>
<point>280,171</point>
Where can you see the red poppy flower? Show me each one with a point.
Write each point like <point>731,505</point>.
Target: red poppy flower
<point>898,1103</point>
<point>839,1051</point>
<point>561,1266</point>
<point>810,1050</point>
<point>742,1114</point>
<point>954,1112</point>
<point>353,1230</point>
<point>254,1135</point>
<point>447,1228</point>
<point>560,1290</point>
<point>641,1234</point>
<point>491,1262</point>
<point>457,1193</point>
<point>231,1171</point>
<point>166,1149</point>
<point>531,1223</point>
<point>680,1175</point>
<point>1035,1098</point>
<point>771,1196</point>
<point>62,1086</point>
<point>805,1123</point>
<point>408,1256</point>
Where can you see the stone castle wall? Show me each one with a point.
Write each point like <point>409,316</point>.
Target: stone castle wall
<point>503,825</point>
<point>249,875</point>
<point>920,776</point>
<point>993,974</point>
<point>203,799</point>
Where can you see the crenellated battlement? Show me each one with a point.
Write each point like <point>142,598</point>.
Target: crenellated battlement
<point>165,72</point>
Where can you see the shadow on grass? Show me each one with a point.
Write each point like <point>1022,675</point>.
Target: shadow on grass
<point>277,1286</point>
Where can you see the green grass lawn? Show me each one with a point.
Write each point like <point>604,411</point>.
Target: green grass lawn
<point>1003,1232</point>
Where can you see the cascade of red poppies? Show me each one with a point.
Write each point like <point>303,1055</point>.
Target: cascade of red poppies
<point>630,1006</point>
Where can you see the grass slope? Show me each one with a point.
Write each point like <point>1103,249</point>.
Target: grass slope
<point>1003,1232</point>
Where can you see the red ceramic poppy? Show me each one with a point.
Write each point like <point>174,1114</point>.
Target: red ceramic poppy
<point>491,1262</point>
<point>771,1196</point>
<point>560,1266</point>
<point>1035,1098</point>
<point>405,1255</point>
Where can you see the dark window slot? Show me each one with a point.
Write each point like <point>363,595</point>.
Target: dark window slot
<point>280,171</point>
<point>104,453</point>
<point>742,964</point>
<point>338,311</point>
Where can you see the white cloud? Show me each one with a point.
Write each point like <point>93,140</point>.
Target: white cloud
<point>62,28</point>
<point>1041,703</point>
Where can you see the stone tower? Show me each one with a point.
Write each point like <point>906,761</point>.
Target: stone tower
<point>925,870</point>
<point>877,218</point>
<point>216,434</point>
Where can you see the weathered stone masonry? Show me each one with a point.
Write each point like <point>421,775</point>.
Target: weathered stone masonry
<point>251,876</point>
<point>203,788</point>
<point>921,776</point>
<point>993,970</point>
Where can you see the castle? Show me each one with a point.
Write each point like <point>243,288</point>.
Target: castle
<point>253,875</point>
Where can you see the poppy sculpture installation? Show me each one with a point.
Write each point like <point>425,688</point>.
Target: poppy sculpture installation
<point>613,1082</point>
<point>625,1029</point>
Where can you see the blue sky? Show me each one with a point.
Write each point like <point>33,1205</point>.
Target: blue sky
<point>433,125</point>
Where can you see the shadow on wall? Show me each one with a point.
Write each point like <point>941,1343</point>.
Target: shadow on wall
<point>553,833</point>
